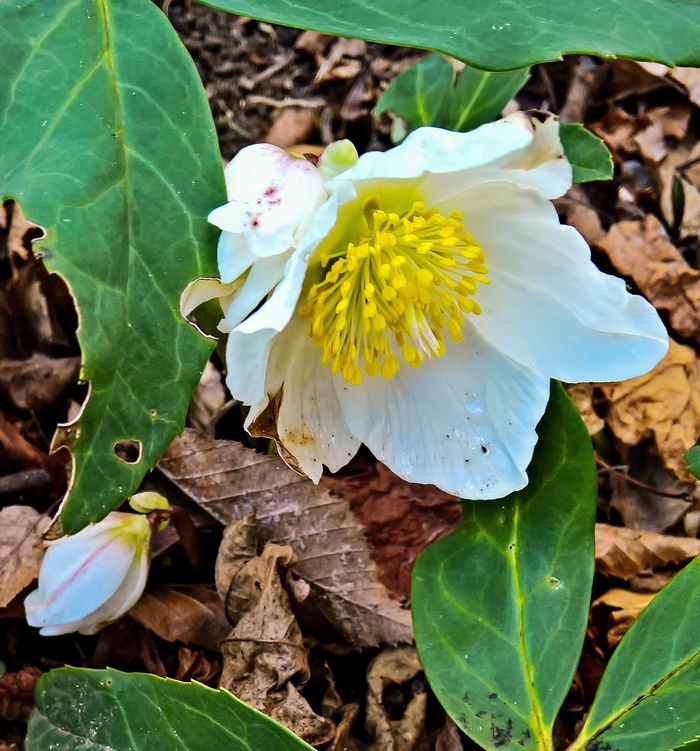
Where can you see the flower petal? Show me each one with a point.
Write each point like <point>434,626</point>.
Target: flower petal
<point>75,580</point>
<point>264,275</point>
<point>310,423</point>
<point>436,150</point>
<point>548,306</point>
<point>464,421</point>
<point>272,199</point>
<point>123,599</point>
<point>249,343</point>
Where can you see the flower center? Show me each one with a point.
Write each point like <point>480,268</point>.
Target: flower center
<point>395,292</point>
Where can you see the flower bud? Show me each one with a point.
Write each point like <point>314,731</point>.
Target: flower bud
<point>92,577</point>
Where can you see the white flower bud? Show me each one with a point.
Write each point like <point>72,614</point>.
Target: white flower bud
<point>92,577</point>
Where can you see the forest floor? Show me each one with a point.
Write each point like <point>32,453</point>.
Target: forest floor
<point>351,688</point>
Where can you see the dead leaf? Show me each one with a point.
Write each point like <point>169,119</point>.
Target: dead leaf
<point>664,403</point>
<point>624,608</point>
<point>652,499</point>
<point>448,738</point>
<point>581,394</point>
<point>343,61</point>
<point>129,646</point>
<point>194,616</point>
<point>292,126</point>
<point>36,383</point>
<point>265,662</point>
<point>395,667</point>
<point>21,550</point>
<point>580,214</point>
<point>624,553</point>
<point>207,401</point>
<point>331,553</point>
<point>690,78</point>
<point>194,665</point>
<point>643,252</point>
<point>17,693</point>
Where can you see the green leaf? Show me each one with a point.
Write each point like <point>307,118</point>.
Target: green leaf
<point>480,96</point>
<point>105,710</point>
<point>421,94</point>
<point>693,745</point>
<point>500,606</point>
<point>588,155</point>
<point>424,94</point>
<point>649,698</point>
<point>692,457</point>
<point>502,34</point>
<point>107,142</point>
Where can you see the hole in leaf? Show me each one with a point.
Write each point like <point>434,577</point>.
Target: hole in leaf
<point>129,451</point>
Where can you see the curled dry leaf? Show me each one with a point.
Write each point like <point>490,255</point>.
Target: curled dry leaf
<point>400,518</point>
<point>265,661</point>
<point>624,608</point>
<point>624,553</point>
<point>21,550</point>
<point>643,252</point>
<point>332,555</point>
<point>396,668</point>
<point>38,382</point>
<point>664,403</point>
<point>17,693</point>
<point>194,616</point>
<point>581,394</point>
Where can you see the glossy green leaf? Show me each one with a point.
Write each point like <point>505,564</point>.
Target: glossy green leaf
<point>421,94</point>
<point>692,457</point>
<point>426,94</point>
<point>588,155</point>
<point>693,745</point>
<point>649,698</point>
<point>500,606</point>
<point>501,34</point>
<point>107,142</point>
<point>105,710</point>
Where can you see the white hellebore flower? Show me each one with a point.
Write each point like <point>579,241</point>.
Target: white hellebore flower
<point>92,577</point>
<point>418,301</point>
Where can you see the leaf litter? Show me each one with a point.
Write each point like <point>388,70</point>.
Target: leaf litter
<point>311,643</point>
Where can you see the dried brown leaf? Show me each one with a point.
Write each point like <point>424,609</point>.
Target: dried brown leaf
<point>395,667</point>
<point>624,553</point>
<point>659,502</point>
<point>642,251</point>
<point>690,78</point>
<point>292,126</point>
<point>194,616</point>
<point>624,608</point>
<point>448,738</point>
<point>331,553</point>
<point>17,693</point>
<point>21,550</point>
<point>193,665</point>
<point>265,662</point>
<point>581,394</point>
<point>38,382</point>
<point>664,403</point>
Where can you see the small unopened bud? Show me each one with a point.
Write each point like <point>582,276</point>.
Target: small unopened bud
<point>93,577</point>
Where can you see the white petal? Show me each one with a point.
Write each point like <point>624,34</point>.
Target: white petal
<point>548,306</point>
<point>249,343</point>
<point>233,256</point>
<point>264,275</point>
<point>310,423</point>
<point>202,290</point>
<point>464,421</point>
<point>123,599</point>
<point>272,198</point>
<point>77,577</point>
<point>436,150</point>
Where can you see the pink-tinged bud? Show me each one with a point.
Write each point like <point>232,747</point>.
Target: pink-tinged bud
<point>92,577</point>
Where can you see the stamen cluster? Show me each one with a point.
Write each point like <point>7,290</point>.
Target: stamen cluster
<point>394,292</point>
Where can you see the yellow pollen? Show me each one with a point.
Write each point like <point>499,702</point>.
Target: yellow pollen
<point>396,293</point>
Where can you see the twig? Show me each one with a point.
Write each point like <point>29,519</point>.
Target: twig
<point>303,103</point>
<point>621,471</point>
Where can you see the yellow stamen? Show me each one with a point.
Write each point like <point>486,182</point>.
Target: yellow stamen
<point>397,292</point>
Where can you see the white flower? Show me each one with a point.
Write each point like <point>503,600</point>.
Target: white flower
<point>419,302</point>
<point>92,577</point>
